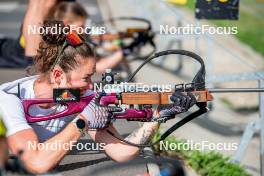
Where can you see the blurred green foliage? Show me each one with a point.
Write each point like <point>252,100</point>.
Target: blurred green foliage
<point>209,163</point>
<point>250,24</point>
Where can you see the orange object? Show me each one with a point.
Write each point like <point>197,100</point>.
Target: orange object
<point>66,95</point>
<point>160,98</point>
<point>74,39</point>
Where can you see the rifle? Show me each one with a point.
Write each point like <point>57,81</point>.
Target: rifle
<point>145,100</point>
<point>137,37</point>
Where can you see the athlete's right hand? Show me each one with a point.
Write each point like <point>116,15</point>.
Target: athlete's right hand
<point>97,116</point>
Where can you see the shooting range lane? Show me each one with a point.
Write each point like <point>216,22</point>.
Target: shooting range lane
<point>76,163</point>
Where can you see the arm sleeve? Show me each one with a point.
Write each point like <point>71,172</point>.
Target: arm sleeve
<point>12,113</point>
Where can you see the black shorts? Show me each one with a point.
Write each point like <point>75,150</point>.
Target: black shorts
<point>12,55</point>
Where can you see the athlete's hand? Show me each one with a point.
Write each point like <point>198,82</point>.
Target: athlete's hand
<point>97,116</point>
<point>181,103</point>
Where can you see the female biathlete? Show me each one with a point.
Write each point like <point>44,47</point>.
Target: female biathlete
<point>67,67</point>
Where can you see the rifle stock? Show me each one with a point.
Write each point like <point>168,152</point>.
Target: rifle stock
<point>160,97</point>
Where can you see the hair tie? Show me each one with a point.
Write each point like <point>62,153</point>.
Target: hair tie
<point>73,39</point>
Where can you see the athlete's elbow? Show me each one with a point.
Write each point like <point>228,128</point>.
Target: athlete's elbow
<point>38,168</point>
<point>126,155</point>
<point>38,165</point>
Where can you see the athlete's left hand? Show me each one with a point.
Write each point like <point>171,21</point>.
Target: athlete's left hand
<point>181,103</point>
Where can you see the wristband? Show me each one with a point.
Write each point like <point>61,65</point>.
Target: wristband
<point>80,124</point>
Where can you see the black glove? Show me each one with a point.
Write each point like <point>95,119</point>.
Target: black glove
<point>183,101</point>
<point>127,50</point>
<point>139,39</point>
<point>181,104</point>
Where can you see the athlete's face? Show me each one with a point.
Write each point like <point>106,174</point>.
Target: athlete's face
<point>79,77</point>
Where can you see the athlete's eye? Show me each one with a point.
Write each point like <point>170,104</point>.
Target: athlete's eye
<point>86,78</point>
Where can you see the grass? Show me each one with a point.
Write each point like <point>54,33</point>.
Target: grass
<point>204,163</point>
<point>250,24</point>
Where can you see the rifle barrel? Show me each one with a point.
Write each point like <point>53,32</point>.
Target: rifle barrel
<point>234,90</point>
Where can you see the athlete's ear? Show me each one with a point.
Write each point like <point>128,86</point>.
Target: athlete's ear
<point>57,76</point>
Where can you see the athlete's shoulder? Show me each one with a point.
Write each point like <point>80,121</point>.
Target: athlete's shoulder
<point>12,113</point>
<point>10,100</point>
<point>12,87</point>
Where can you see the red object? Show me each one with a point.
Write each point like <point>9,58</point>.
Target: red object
<point>66,95</point>
<point>73,39</point>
